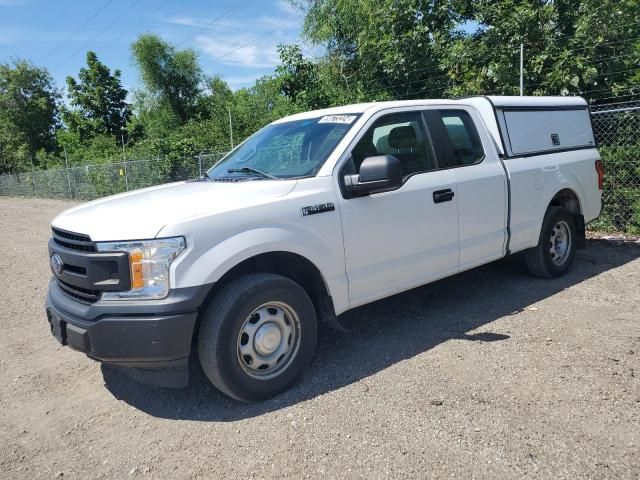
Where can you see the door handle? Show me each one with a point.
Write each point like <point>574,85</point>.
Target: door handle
<point>440,196</point>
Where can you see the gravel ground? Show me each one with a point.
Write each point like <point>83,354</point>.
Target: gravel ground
<point>488,374</point>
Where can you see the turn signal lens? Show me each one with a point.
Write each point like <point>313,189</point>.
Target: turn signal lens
<point>137,278</point>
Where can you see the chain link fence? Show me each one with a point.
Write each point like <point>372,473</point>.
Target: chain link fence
<point>94,181</point>
<point>617,131</point>
<point>616,127</point>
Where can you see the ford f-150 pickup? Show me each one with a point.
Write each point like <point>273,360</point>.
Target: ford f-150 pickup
<point>313,215</point>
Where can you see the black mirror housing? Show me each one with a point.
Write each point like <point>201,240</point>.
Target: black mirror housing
<point>377,174</point>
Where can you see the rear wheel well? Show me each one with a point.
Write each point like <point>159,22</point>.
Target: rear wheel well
<point>290,265</point>
<point>568,199</point>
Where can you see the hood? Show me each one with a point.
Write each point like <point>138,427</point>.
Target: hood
<point>141,214</point>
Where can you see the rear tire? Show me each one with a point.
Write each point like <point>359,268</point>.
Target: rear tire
<point>257,336</point>
<point>556,247</point>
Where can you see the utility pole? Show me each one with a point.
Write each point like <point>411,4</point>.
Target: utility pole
<point>230,127</point>
<point>66,164</point>
<point>521,69</point>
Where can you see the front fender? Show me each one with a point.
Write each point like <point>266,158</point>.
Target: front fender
<point>208,265</point>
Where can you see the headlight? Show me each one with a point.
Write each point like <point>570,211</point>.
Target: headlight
<point>149,262</point>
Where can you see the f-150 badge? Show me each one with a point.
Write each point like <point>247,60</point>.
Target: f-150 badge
<point>320,208</point>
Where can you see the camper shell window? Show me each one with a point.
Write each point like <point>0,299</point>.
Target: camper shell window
<point>537,131</point>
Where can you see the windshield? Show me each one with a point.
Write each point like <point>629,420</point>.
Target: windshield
<point>285,150</point>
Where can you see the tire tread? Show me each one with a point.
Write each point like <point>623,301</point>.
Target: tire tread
<point>535,257</point>
<point>209,336</point>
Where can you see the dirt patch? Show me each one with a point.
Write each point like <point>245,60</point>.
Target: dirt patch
<point>490,373</point>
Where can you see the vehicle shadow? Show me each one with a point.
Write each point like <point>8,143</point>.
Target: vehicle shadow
<point>384,333</point>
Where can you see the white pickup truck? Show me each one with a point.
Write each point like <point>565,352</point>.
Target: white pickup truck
<point>313,215</point>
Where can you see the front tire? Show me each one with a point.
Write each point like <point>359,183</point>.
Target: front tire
<point>257,336</point>
<point>556,247</point>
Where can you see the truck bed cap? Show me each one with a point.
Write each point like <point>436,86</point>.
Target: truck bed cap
<point>548,102</point>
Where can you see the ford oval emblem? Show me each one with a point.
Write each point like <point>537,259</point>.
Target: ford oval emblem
<point>57,264</point>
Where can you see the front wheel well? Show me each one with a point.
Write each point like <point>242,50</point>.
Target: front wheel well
<point>289,265</point>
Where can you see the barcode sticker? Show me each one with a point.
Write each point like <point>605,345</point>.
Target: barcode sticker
<point>347,119</point>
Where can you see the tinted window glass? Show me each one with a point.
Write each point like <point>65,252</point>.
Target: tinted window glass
<point>400,135</point>
<point>465,141</point>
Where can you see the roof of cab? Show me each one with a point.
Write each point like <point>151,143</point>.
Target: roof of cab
<point>497,101</point>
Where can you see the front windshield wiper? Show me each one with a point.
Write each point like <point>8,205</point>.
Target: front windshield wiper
<point>253,170</point>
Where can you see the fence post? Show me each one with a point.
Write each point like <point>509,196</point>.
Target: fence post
<point>199,157</point>
<point>126,176</point>
<point>33,178</point>
<point>66,164</point>
<point>74,193</point>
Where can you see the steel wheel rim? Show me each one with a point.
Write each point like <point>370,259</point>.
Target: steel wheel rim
<point>560,243</point>
<point>268,340</point>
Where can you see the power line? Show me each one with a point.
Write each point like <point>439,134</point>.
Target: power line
<point>216,20</point>
<point>426,90</point>
<point>68,9</point>
<point>562,51</point>
<point>124,12</point>
<point>559,37</point>
<point>70,37</point>
<point>252,41</point>
<point>511,77</point>
<point>136,25</point>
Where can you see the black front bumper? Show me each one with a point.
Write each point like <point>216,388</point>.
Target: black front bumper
<point>150,340</point>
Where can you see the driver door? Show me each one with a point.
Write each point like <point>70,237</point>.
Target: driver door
<point>403,238</point>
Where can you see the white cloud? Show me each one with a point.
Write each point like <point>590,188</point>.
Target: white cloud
<point>286,7</point>
<point>183,20</point>
<point>236,50</point>
<point>259,24</point>
<point>242,81</point>
<point>268,22</point>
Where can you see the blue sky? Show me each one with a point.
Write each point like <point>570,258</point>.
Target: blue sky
<point>56,34</point>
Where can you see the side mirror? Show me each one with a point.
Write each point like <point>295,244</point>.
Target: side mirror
<point>377,174</point>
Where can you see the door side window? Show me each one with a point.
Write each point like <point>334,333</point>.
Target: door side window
<point>401,135</point>
<point>463,138</point>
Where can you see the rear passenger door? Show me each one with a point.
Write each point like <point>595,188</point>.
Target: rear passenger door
<point>466,149</point>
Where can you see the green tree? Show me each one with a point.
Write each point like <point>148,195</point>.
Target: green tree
<point>587,47</point>
<point>14,151</point>
<point>99,100</point>
<point>216,98</point>
<point>301,78</point>
<point>171,77</point>
<point>256,106</point>
<point>383,48</point>
<point>28,113</point>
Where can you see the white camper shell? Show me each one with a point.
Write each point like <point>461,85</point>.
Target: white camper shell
<point>535,125</point>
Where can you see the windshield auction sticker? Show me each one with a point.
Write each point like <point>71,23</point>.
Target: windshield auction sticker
<point>348,119</point>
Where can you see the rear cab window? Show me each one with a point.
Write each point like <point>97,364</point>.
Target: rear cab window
<point>465,146</point>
